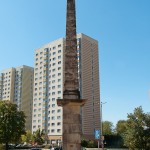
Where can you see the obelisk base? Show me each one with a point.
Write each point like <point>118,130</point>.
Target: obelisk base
<point>72,129</point>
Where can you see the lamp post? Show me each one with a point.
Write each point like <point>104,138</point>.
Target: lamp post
<point>102,125</point>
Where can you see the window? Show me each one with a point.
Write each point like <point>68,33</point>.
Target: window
<point>59,62</point>
<point>58,130</point>
<point>59,45</point>
<point>52,131</point>
<point>53,75</point>
<point>53,81</point>
<point>53,105</point>
<point>53,111</point>
<point>54,53</point>
<point>59,51</point>
<point>53,99</point>
<point>59,92</point>
<point>53,117</point>
<point>46,50</point>
<point>54,47</point>
<point>59,110</point>
<point>58,123</point>
<point>58,117</point>
<point>53,124</point>
<point>59,57</point>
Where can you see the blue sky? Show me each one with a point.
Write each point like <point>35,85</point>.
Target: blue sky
<point>122,28</point>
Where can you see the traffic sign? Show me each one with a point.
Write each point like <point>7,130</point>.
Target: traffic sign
<point>97,134</point>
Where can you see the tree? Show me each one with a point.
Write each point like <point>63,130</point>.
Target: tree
<point>107,128</point>
<point>120,131</point>
<point>137,133</point>
<point>12,123</point>
<point>121,127</point>
<point>39,136</point>
<point>27,137</point>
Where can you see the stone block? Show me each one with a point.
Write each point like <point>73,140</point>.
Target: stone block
<point>72,138</point>
<point>72,128</point>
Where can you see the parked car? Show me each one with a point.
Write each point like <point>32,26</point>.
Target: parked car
<point>36,149</point>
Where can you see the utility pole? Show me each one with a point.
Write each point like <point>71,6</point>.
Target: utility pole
<point>102,140</point>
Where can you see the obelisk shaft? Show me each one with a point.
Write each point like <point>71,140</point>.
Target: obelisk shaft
<point>71,101</point>
<point>71,84</point>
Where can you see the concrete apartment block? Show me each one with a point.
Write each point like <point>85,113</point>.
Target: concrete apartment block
<point>16,85</point>
<point>49,82</point>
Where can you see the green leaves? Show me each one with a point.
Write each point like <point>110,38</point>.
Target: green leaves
<point>107,127</point>
<point>38,136</point>
<point>12,122</point>
<point>137,133</point>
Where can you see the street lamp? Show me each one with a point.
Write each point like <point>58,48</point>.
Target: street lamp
<point>102,103</point>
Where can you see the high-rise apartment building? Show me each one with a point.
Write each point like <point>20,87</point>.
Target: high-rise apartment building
<point>49,82</point>
<point>16,85</point>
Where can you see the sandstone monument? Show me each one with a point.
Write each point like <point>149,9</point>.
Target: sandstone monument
<point>71,101</point>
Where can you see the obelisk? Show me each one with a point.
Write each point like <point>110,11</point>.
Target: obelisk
<point>71,101</point>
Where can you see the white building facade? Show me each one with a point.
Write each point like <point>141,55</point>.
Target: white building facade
<point>48,87</point>
<point>16,85</point>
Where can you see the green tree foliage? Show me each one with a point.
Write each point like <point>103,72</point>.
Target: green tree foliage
<point>120,131</point>
<point>12,123</point>
<point>27,137</point>
<point>92,144</point>
<point>107,127</point>
<point>38,137</point>
<point>137,134</point>
<point>121,127</point>
<point>84,143</point>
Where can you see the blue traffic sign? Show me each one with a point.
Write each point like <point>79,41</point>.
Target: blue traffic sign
<point>97,134</point>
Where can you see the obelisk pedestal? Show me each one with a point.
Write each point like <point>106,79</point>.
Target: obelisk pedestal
<point>72,129</point>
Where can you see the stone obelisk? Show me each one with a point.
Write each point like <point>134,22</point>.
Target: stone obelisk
<point>71,101</point>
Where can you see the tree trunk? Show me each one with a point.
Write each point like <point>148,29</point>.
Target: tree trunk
<point>6,146</point>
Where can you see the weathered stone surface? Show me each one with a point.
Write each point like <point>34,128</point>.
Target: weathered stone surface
<point>72,146</point>
<point>71,102</point>
<point>72,128</point>
<point>72,109</point>
<point>72,138</point>
<point>68,118</point>
<point>71,65</point>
